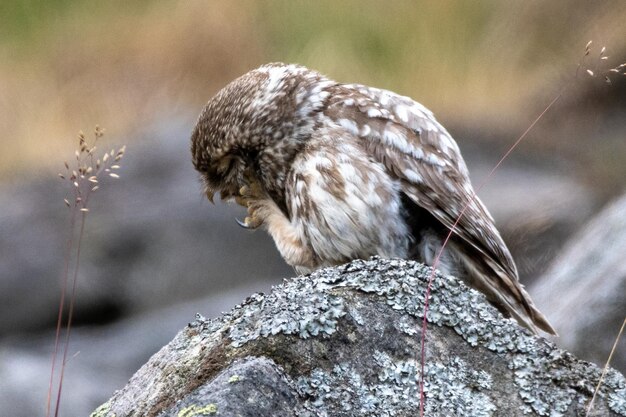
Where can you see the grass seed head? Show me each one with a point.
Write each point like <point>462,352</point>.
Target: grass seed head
<point>84,177</point>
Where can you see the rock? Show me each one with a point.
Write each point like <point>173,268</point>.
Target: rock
<point>151,240</point>
<point>248,387</point>
<point>535,209</point>
<point>589,277</point>
<point>345,341</point>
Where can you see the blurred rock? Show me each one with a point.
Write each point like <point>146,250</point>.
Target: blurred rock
<point>345,341</point>
<point>536,210</point>
<point>151,240</point>
<point>583,293</point>
<point>102,358</point>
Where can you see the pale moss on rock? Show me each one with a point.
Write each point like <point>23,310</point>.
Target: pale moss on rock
<point>102,411</point>
<point>198,410</point>
<point>234,379</point>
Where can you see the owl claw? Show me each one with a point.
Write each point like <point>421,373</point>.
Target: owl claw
<point>242,224</point>
<point>249,223</point>
<point>251,196</point>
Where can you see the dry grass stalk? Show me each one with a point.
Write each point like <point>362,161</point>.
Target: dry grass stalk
<point>83,178</point>
<point>606,367</point>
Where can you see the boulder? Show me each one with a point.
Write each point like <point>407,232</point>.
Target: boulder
<point>345,341</point>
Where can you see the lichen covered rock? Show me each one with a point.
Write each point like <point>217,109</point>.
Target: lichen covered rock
<point>345,341</point>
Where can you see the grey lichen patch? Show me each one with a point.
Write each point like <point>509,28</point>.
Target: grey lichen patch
<point>455,390</point>
<point>617,401</point>
<point>207,325</point>
<point>307,306</point>
<point>354,313</point>
<point>534,385</point>
<point>407,325</point>
<point>451,304</point>
<point>398,372</point>
<point>343,390</point>
<point>300,309</point>
<point>540,379</point>
<point>455,305</point>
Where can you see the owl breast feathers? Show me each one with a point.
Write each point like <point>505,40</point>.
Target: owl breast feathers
<point>336,172</point>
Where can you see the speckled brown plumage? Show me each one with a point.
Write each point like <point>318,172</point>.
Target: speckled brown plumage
<point>337,172</point>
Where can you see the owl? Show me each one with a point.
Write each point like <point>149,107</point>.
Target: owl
<point>336,172</point>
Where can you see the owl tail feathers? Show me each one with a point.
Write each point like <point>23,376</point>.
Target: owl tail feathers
<point>530,317</point>
<point>504,291</point>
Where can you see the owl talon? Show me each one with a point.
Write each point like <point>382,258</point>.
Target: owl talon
<point>242,223</point>
<point>249,223</point>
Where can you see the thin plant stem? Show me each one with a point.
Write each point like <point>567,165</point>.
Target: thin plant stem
<point>70,242</point>
<point>70,311</point>
<point>606,368</point>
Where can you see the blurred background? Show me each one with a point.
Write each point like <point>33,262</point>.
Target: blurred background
<point>156,252</point>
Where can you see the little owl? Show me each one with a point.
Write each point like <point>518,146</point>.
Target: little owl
<point>337,172</point>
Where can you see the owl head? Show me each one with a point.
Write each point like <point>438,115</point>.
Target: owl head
<point>240,127</point>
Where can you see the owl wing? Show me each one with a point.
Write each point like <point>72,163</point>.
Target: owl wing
<point>405,136</point>
<point>407,139</point>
